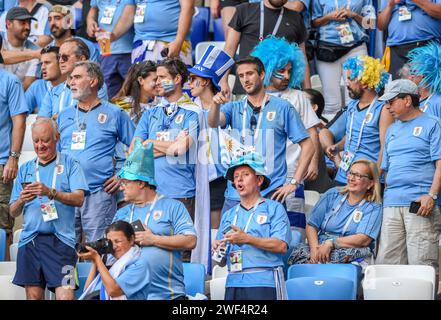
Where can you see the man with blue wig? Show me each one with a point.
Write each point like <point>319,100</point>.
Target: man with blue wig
<point>425,72</point>
<point>284,64</point>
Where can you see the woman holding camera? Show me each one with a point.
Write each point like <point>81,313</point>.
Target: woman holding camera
<point>164,226</point>
<point>345,222</point>
<point>255,234</point>
<point>128,277</point>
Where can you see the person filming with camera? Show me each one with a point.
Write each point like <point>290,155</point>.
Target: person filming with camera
<point>129,275</point>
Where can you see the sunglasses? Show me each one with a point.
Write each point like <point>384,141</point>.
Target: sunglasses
<point>63,57</point>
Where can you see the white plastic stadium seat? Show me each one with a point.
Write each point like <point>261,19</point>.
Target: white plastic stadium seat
<point>219,272</point>
<point>7,268</point>
<point>217,288</point>
<point>17,234</point>
<point>10,291</point>
<point>399,282</point>
<point>27,142</point>
<point>311,198</point>
<point>316,83</point>
<point>13,251</point>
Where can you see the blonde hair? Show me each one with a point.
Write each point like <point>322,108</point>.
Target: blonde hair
<point>373,194</point>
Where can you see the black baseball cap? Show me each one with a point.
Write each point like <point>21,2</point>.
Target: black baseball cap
<point>19,13</point>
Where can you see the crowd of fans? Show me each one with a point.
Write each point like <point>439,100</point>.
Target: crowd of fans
<point>138,144</point>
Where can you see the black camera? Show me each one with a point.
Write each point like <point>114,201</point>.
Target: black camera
<point>102,246</point>
<point>220,256</point>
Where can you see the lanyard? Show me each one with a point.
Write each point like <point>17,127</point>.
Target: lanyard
<point>146,221</point>
<point>83,124</point>
<point>362,125</point>
<point>61,101</point>
<point>54,176</point>
<point>348,6</point>
<point>262,21</point>
<point>426,104</point>
<point>256,133</point>
<point>259,201</point>
<point>337,208</point>
<point>166,123</point>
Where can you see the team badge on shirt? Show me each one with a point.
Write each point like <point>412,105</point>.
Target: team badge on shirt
<point>157,215</point>
<point>417,131</point>
<point>368,117</point>
<point>102,118</point>
<point>261,219</point>
<point>271,115</point>
<point>357,216</point>
<point>179,118</point>
<point>60,169</point>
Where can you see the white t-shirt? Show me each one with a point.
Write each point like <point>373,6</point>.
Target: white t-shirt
<point>38,28</point>
<point>23,69</point>
<point>303,106</point>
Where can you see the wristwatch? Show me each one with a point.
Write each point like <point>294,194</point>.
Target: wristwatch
<point>294,182</point>
<point>14,154</point>
<point>53,193</point>
<point>433,196</point>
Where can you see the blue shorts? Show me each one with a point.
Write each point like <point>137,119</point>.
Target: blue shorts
<point>250,293</point>
<point>45,262</point>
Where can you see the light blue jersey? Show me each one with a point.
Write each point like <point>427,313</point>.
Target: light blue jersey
<point>135,280</point>
<point>410,151</point>
<point>70,178</point>
<point>367,145</point>
<point>160,21</point>
<point>330,31</point>
<point>432,105</point>
<point>334,216</point>
<point>60,98</point>
<point>114,10</point>
<point>279,121</point>
<point>35,94</point>
<point>419,27</point>
<point>105,125</point>
<point>269,220</point>
<point>175,175</point>
<point>168,217</point>
<point>12,103</point>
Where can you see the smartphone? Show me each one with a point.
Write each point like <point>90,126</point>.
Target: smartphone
<point>164,52</point>
<point>228,230</point>
<point>137,226</point>
<point>414,207</point>
<point>24,184</point>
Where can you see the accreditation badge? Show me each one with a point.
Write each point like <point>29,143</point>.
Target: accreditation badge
<point>345,33</point>
<point>404,14</point>
<point>163,136</point>
<point>108,14</point>
<point>417,131</point>
<point>140,13</point>
<point>346,160</point>
<point>49,211</point>
<point>236,261</point>
<point>357,216</point>
<point>78,140</point>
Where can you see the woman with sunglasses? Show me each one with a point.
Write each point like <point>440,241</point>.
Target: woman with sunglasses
<point>204,84</point>
<point>344,224</point>
<point>138,91</point>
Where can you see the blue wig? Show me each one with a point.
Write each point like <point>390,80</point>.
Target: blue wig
<point>426,62</point>
<point>275,53</point>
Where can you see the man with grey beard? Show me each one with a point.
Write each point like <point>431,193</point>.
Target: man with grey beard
<point>89,131</point>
